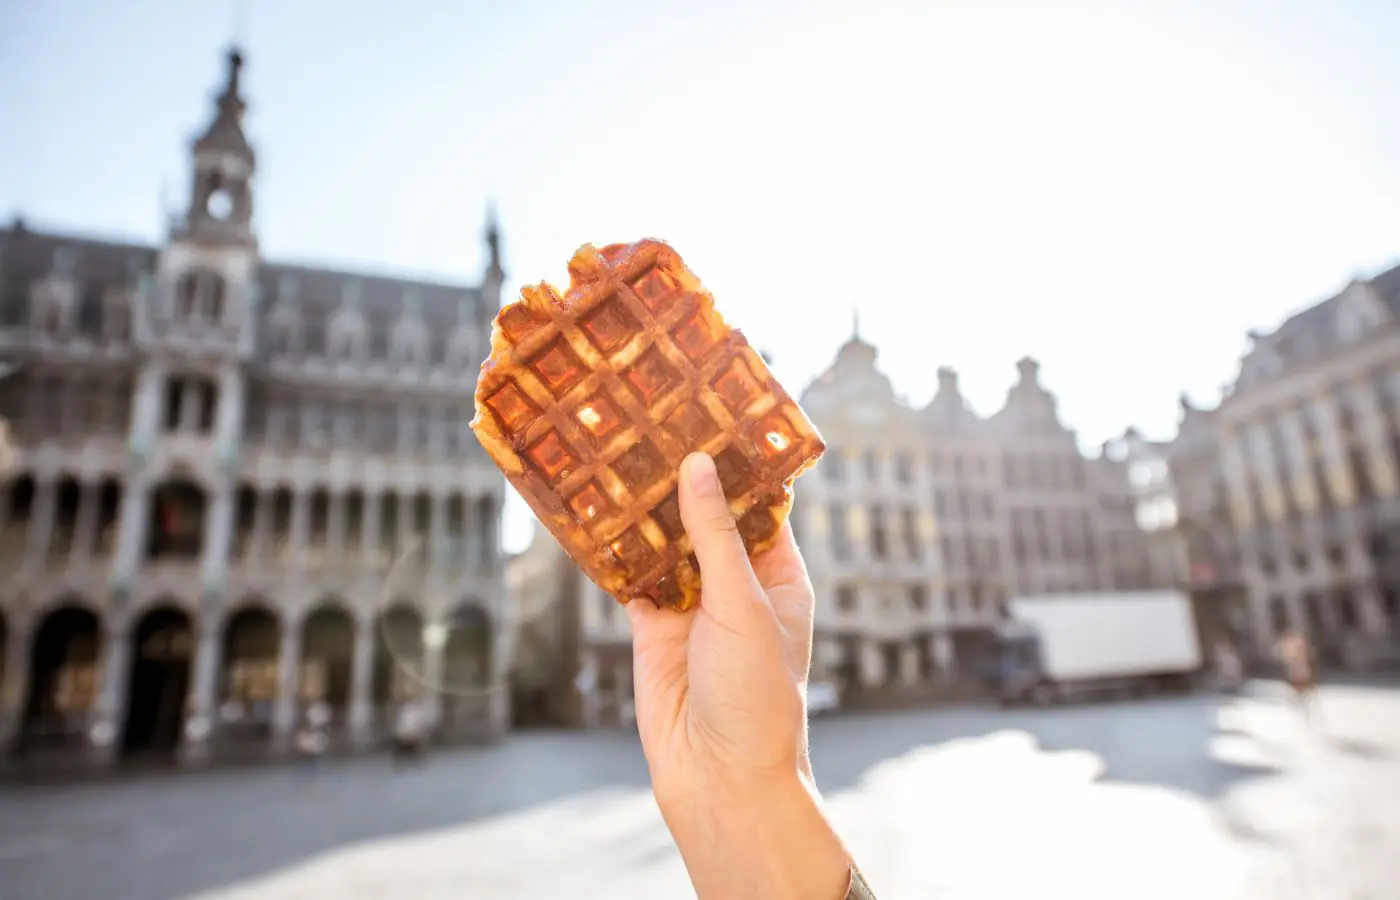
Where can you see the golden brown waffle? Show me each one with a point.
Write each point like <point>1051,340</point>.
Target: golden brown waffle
<point>589,402</point>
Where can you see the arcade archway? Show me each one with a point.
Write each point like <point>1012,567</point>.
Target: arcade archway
<point>162,645</point>
<point>63,679</point>
<point>328,646</point>
<point>466,670</point>
<point>248,687</point>
<point>398,657</point>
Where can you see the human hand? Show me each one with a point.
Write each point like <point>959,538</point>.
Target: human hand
<point>721,708</point>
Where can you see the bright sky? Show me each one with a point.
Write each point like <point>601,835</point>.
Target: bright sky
<point>1120,188</point>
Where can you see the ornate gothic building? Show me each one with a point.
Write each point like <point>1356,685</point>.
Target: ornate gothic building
<point>215,462</point>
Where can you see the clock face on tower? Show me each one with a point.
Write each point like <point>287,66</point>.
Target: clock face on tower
<point>220,204</point>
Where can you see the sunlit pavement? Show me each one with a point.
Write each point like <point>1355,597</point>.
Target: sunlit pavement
<point>1195,797</point>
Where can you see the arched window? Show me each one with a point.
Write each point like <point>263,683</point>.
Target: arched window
<point>215,291</point>
<point>186,295</point>
<point>200,293</point>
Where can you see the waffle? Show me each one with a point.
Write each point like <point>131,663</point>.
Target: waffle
<point>589,402</point>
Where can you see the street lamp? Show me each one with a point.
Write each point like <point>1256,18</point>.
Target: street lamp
<point>7,453</point>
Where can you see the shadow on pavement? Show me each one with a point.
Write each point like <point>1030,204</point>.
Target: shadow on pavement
<point>158,839</point>
<point>1159,742</point>
<point>1364,750</point>
<point>154,839</point>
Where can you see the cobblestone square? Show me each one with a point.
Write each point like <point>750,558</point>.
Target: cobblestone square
<point>1197,797</point>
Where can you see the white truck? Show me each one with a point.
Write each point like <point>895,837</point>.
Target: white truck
<point>1122,643</point>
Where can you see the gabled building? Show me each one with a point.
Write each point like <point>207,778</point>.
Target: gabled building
<point>919,524</point>
<point>239,488</point>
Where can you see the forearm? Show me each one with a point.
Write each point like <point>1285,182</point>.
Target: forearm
<point>766,843</point>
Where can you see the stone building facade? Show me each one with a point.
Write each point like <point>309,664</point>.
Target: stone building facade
<point>919,524</point>
<point>573,664</point>
<point>1309,444</point>
<point>239,489</point>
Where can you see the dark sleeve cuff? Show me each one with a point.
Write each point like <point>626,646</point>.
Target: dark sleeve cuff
<point>859,890</point>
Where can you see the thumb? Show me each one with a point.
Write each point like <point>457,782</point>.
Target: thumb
<point>730,589</point>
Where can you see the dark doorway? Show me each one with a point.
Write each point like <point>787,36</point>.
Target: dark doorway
<point>328,645</point>
<point>466,670</point>
<point>847,669</point>
<point>160,676</point>
<point>63,669</point>
<point>398,656</point>
<point>467,649</point>
<point>975,652</point>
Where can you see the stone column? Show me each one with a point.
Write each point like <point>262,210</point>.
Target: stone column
<point>440,556</point>
<point>1371,423</point>
<point>335,527</point>
<point>1298,475</point>
<point>1370,612</point>
<point>301,526</point>
<point>85,530</point>
<point>146,406</point>
<point>218,534</point>
<point>622,694</point>
<point>361,678</point>
<point>15,687</point>
<point>434,643</point>
<point>1260,617</point>
<point>586,683</point>
<point>259,544</point>
<point>286,708</point>
<point>409,536</point>
<point>1237,478</point>
<point>231,407</point>
<point>41,523</point>
<point>131,532</point>
<point>1334,451</point>
<point>1298,615</point>
<point>369,529</point>
<point>941,648</point>
<point>872,664</point>
<point>105,720</point>
<point>201,713</point>
<point>490,533</point>
<point>909,664</point>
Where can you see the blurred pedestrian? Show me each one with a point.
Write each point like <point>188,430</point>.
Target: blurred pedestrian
<point>313,740</point>
<point>410,732</point>
<point>723,724</point>
<point>1229,669</point>
<point>1296,656</point>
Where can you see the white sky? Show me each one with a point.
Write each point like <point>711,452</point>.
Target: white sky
<point>1118,190</point>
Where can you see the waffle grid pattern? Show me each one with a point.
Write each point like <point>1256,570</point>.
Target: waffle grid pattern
<point>591,400</point>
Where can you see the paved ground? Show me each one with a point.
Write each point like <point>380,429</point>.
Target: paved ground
<point>1191,797</point>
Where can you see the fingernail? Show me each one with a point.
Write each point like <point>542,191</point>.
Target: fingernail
<point>700,472</point>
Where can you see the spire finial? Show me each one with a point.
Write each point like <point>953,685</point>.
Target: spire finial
<point>855,322</point>
<point>493,239</point>
<point>235,73</point>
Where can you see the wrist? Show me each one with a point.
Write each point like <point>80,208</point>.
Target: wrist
<point>769,841</point>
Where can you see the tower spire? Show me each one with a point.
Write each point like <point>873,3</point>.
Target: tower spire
<point>492,234</point>
<point>221,197</point>
<point>225,132</point>
<point>855,322</point>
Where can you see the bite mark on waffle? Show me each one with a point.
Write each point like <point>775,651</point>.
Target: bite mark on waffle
<point>590,400</point>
